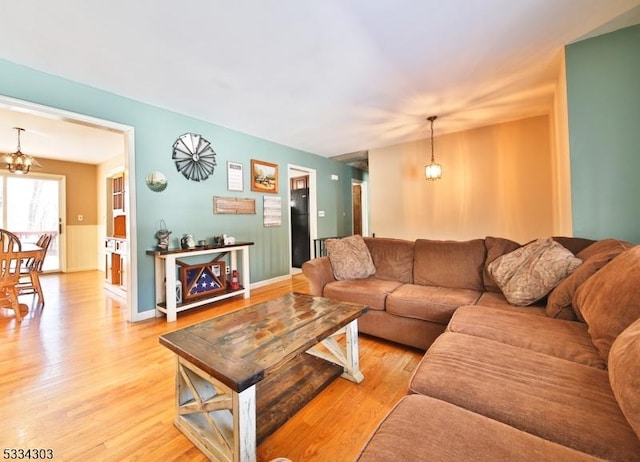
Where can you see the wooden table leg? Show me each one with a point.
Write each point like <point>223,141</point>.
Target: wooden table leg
<point>218,420</point>
<point>170,287</point>
<point>347,356</point>
<point>159,283</point>
<point>244,425</point>
<point>352,368</point>
<point>246,278</point>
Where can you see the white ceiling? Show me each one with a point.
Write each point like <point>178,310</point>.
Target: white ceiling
<point>52,138</point>
<point>326,76</point>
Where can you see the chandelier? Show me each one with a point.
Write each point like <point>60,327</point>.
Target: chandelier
<point>19,162</point>
<point>432,171</point>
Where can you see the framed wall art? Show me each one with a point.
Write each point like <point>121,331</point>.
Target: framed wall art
<point>272,211</point>
<point>203,279</point>
<point>234,176</point>
<point>264,176</point>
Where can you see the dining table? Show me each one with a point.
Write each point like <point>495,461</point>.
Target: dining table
<point>30,250</point>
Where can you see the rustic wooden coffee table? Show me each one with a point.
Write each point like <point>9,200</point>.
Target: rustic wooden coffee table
<point>243,374</point>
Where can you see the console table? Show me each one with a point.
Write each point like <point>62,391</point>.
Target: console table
<point>165,275</point>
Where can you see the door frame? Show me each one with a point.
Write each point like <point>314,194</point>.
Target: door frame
<point>128,133</point>
<point>364,205</point>
<point>313,209</point>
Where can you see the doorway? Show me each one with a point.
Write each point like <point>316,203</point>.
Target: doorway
<point>359,207</point>
<point>302,216</point>
<point>128,133</point>
<point>33,205</point>
<point>299,212</point>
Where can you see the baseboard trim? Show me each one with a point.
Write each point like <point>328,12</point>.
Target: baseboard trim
<point>149,314</point>
<point>266,282</point>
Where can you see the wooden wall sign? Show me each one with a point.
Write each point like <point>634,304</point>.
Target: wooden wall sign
<point>234,205</point>
<point>272,211</point>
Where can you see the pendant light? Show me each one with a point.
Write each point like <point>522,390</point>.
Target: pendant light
<point>433,171</point>
<point>18,162</point>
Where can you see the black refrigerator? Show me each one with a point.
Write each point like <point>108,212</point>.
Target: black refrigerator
<point>300,239</point>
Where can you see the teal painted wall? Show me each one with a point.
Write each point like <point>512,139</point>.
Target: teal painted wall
<point>187,206</point>
<point>603,86</point>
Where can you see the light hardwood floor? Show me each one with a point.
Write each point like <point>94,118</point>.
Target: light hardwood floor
<point>78,378</point>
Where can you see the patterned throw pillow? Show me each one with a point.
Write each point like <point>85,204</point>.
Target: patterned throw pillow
<point>496,247</point>
<point>532,271</point>
<point>350,258</point>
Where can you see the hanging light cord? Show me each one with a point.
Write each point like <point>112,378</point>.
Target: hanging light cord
<point>18,130</point>
<point>431,119</point>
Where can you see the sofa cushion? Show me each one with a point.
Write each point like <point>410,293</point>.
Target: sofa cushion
<point>435,304</point>
<point>609,300</point>
<point>624,373</point>
<point>573,244</point>
<point>415,333</point>
<point>498,300</point>
<point>555,399</point>
<point>496,247</point>
<point>563,339</point>
<point>594,257</point>
<point>530,272</point>
<point>451,264</point>
<point>350,258</point>
<point>423,428</point>
<point>603,246</point>
<point>393,258</point>
<point>371,291</point>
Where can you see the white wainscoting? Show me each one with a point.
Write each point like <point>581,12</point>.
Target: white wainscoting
<point>82,248</point>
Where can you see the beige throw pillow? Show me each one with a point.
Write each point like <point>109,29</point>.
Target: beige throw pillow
<point>496,247</point>
<point>350,258</point>
<point>532,271</point>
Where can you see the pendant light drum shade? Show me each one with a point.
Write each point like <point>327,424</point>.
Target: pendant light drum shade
<point>433,171</point>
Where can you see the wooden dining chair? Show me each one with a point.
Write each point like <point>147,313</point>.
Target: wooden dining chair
<point>29,281</point>
<point>9,271</point>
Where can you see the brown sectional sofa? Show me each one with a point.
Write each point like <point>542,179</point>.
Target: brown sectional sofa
<point>500,382</point>
<point>418,285</point>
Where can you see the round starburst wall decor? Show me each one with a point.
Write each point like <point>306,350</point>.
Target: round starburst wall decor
<point>194,157</point>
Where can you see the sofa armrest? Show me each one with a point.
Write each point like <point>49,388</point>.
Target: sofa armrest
<point>319,273</point>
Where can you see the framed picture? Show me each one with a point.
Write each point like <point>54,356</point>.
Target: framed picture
<point>202,280</point>
<point>234,176</point>
<point>264,177</point>
<point>272,211</point>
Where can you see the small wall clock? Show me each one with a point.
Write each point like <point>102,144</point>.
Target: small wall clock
<point>194,157</point>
